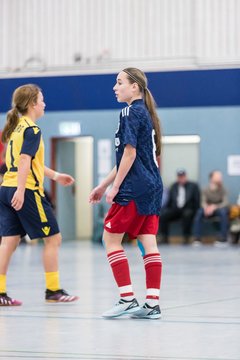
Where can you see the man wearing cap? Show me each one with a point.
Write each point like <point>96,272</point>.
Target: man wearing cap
<point>182,203</point>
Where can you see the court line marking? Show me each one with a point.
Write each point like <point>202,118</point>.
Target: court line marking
<point>165,321</point>
<point>64,355</point>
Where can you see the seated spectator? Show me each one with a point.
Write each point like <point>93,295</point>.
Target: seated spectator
<point>214,203</point>
<point>182,203</point>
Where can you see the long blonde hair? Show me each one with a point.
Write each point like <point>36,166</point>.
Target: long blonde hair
<point>137,76</point>
<point>22,97</point>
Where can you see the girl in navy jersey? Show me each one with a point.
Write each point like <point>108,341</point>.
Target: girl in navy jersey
<point>23,206</point>
<point>135,194</point>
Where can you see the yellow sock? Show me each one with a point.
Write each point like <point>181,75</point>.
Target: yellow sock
<point>52,280</point>
<point>3,283</point>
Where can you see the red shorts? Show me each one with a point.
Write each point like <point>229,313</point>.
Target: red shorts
<point>125,219</point>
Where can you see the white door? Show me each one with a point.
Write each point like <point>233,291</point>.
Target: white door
<point>74,213</point>
<point>180,152</point>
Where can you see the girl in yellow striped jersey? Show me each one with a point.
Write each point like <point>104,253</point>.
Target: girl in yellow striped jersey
<point>23,206</point>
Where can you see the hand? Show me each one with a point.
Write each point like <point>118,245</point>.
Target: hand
<point>65,179</point>
<point>111,195</point>
<point>96,194</point>
<point>209,210</point>
<point>18,199</point>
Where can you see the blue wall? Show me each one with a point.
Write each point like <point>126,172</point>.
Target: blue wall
<point>170,89</point>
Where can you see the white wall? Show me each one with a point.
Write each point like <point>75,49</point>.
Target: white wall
<point>101,35</point>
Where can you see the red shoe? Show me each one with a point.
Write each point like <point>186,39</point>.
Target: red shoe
<point>7,301</point>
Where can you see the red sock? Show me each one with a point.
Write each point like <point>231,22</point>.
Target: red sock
<point>153,268</point>
<point>120,269</point>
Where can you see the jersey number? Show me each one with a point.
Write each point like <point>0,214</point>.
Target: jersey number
<point>154,148</point>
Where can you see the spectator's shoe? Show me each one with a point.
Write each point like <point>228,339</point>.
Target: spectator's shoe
<point>221,243</point>
<point>123,307</point>
<point>7,301</point>
<point>196,242</point>
<point>59,296</point>
<point>148,312</point>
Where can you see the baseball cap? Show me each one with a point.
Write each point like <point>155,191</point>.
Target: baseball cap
<point>181,172</point>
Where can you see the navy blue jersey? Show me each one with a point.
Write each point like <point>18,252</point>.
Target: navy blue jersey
<point>143,183</point>
<point>31,142</point>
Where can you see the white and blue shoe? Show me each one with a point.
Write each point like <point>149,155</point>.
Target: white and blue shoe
<point>147,312</point>
<point>123,307</point>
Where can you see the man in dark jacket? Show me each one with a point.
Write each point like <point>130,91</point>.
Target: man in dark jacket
<point>183,202</point>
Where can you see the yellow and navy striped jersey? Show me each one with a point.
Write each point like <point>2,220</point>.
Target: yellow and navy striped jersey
<point>25,139</point>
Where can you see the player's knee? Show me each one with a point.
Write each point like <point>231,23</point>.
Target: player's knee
<point>54,240</point>
<point>10,243</point>
<point>58,239</point>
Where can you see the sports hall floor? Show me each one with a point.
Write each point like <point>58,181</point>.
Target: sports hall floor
<point>200,302</point>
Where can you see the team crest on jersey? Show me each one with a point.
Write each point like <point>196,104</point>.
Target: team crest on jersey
<point>46,230</point>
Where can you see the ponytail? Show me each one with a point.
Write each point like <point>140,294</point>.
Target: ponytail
<point>138,76</point>
<point>23,96</point>
<point>151,106</point>
<point>11,123</point>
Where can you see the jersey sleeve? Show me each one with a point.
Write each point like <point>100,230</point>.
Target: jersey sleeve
<point>32,137</point>
<point>131,125</point>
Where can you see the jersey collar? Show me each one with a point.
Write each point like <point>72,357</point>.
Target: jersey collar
<point>28,120</point>
<point>137,101</point>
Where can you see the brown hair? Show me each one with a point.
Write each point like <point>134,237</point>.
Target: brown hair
<point>138,76</point>
<point>22,97</point>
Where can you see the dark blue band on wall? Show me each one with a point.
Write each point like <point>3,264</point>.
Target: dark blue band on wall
<point>170,89</point>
